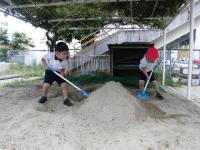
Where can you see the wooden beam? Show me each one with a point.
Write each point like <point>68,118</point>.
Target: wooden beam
<point>64,3</point>
<point>16,16</point>
<point>121,28</point>
<point>100,18</point>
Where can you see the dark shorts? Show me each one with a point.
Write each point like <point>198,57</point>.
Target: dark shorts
<point>143,77</point>
<point>50,77</point>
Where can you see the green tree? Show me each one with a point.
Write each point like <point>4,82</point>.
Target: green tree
<point>3,36</point>
<point>20,41</point>
<point>4,45</point>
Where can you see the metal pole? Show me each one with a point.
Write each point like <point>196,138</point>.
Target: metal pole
<point>191,49</point>
<point>170,65</point>
<point>164,56</point>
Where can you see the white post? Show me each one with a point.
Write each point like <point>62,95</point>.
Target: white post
<point>164,56</point>
<point>191,49</point>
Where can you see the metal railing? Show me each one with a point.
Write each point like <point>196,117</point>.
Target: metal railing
<point>90,64</point>
<point>93,38</point>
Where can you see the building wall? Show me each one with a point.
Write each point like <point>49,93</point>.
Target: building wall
<point>178,33</point>
<point>180,26</point>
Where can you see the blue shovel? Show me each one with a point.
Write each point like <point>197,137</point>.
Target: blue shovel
<point>142,95</point>
<point>69,82</point>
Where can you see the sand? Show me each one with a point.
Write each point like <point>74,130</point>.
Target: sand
<point>111,118</point>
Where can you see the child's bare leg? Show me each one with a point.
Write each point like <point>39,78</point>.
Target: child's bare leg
<point>141,85</point>
<point>64,90</point>
<point>158,94</point>
<point>65,94</point>
<point>155,84</point>
<point>45,89</point>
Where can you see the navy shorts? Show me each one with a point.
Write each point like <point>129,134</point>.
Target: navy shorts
<point>143,77</point>
<point>50,77</point>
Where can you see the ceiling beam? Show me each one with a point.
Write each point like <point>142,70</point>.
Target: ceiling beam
<point>13,15</point>
<point>100,18</point>
<point>8,1</point>
<point>120,28</point>
<point>63,3</point>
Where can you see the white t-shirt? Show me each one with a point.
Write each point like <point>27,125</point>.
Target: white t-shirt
<point>55,64</point>
<point>145,64</point>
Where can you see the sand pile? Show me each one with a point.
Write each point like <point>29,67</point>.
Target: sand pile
<point>113,105</point>
<point>110,118</point>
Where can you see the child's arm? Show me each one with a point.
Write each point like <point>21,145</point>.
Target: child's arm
<point>144,71</point>
<point>64,72</point>
<point>45,60</point>
<point>67,72</point>
<point>44,63</point>
<point>67,69</point>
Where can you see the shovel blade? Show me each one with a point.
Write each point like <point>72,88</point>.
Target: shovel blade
<point>142,95</point>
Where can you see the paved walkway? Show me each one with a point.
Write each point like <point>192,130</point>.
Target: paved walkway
<point>195,93</point>
<point>10,76</point>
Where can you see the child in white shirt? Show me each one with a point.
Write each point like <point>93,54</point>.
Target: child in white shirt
<point>58,62</point>
<point>147,64</point>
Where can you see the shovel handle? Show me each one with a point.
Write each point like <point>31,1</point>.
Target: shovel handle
<point>145,88</point>
<point>69,82</point>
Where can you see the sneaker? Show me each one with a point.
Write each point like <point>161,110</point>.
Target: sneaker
<point>159,96</point>
<point>67,102</point>
<point>43,99</point>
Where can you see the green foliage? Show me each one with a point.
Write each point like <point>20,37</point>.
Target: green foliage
<point>139,10</point>
<point>21,41</point>
<point>102,78</point>
<point>26,71</point>
<point>3,37</point>
<point>160,23</point>
<point>3,54</point>
<point>168,81</point>
<point>4,45</point>
<point>79,34</point>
